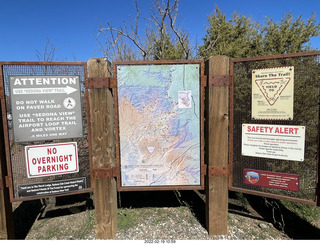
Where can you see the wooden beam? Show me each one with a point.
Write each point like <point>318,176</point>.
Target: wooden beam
<point>217,102</point>
<point>103,151</point>
<point>6,216</point>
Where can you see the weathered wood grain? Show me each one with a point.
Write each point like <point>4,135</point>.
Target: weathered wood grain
<point>217,147</point>
<point>103,151</point>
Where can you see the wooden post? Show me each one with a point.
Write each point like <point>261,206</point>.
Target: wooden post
<point>6,217</point>
<point>217,96</point>
<point>103,151</point>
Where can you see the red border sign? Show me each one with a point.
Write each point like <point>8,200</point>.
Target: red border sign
<point>51,159</point>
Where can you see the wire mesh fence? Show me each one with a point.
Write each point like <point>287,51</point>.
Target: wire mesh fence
<point>306,113</point>
<point>16,151</point>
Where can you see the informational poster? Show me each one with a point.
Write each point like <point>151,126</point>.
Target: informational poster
<point>272,93</point>
<point>283,181</point>
<point>159,124</point>
<point>45,107</point>
<point>52,187</point>
<point>284,142</point>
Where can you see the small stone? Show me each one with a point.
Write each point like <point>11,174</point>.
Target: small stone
<point>262,225</point>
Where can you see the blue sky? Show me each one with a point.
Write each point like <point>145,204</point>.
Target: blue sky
<point>72,25</point>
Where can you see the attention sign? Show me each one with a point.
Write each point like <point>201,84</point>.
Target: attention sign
<point>273,141</point>
<point>45,107</point>
<point>272,93</point>
<point>51,159</point>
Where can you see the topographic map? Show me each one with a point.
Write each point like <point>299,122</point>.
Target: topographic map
<point>159,124</point>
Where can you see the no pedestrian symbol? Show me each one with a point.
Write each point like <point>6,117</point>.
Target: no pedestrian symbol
<point>69,103</point>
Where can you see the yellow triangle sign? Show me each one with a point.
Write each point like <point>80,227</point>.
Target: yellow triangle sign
<point>271,89</point>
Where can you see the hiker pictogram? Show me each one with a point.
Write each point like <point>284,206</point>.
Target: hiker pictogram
<point>69,103</point>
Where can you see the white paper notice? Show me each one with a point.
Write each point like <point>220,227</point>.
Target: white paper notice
<point>272,93</point>
<point>273,141</point>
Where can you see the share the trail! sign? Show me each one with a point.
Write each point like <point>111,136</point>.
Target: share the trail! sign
<point>46,107</point>
<point>272,93</point>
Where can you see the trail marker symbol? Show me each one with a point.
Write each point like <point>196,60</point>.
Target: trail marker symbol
<point>150,149</point>
<point>272,93</point>
<point>272,88</point>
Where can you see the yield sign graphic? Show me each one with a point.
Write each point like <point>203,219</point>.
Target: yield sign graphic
<point>150,149</point>
<point>272,88</point>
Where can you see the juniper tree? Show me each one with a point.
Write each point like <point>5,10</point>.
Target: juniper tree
<point>243,37</point>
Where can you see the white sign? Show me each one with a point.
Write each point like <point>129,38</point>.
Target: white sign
<point>184,99</point>
<point>273,141</point>
<point>51,159</point>
<point>272,93</point>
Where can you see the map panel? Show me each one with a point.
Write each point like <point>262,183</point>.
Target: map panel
<point>159,124</point>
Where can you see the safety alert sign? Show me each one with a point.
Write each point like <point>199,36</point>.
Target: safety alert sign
<point>285,142</point>
<point>51,159</point>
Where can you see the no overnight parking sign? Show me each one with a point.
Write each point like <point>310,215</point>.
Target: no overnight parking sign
<point>51,159</point>
<point>46,107</point>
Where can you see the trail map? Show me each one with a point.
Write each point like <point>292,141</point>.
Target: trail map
<point>159,124</point>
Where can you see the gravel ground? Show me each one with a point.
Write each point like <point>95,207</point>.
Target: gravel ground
<point>77,222</point>
<point>163,224</point>
<point>181,224</point>
<point>158,216</point>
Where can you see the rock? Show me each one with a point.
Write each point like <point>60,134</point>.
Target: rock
<point>262,225</point>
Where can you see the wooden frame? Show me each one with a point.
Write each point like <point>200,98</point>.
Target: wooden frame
<point>202,81</point>
<point>9,175</point>
<point>217,121</point>
<point>103,149</point>
<point>253,192</point>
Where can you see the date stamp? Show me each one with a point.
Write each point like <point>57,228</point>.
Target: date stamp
<point>160,241</point>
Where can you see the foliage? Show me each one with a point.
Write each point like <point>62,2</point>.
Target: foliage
<point>162,39</point>
<point>127,218</point>
<point>243,37</point>
<point>306,212</point>
<point>163,48</point>
<point>289,36</point>
<point>238,37</point>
